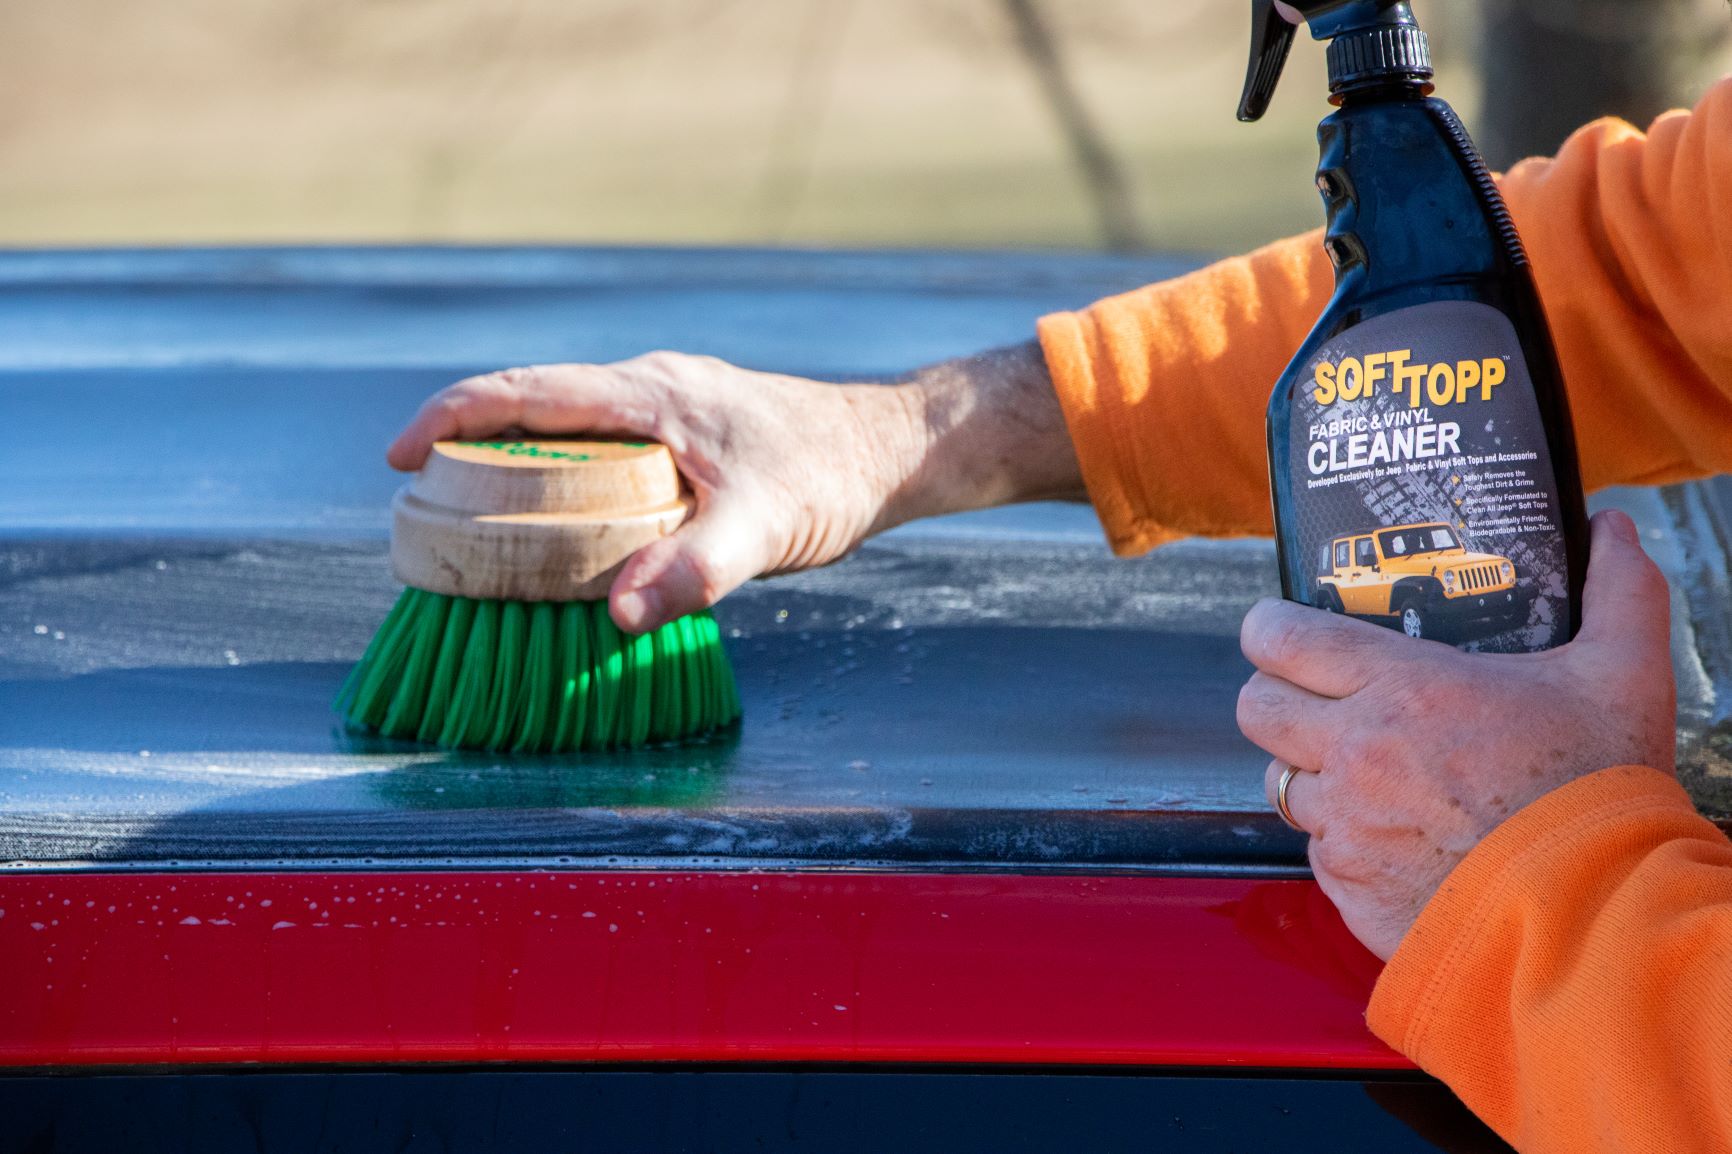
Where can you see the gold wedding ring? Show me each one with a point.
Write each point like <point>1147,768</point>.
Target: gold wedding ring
<point>1281,798</point>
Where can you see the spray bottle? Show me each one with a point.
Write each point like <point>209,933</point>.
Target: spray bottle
<point>1421,456</point>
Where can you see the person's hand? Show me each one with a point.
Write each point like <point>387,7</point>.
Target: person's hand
<point>1413,752</point>
<point>786,473</point>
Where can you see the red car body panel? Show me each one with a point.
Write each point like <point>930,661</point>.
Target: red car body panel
<point>145,968</point>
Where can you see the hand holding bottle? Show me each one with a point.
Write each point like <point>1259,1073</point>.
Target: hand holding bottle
<point>1411,752</point>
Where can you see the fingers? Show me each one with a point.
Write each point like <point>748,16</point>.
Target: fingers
<point>1626,602</point>
<point>474,407</point>
<point>1301,794</point>
<point>1287,722</point>
<point>1325,653</point>
<point>711,555</point>
<point>540,398</point>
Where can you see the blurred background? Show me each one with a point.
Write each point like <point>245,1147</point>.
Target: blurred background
<point>947,123</point>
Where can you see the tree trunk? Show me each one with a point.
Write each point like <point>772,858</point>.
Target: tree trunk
<point>1115,208</point>
<point>1553,65</point>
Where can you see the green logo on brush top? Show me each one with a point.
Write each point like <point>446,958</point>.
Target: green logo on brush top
<point>524,449</point>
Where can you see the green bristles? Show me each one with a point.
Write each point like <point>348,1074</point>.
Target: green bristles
<point>507,676</point>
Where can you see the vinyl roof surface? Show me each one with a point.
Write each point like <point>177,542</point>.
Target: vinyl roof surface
<point>192,553</point>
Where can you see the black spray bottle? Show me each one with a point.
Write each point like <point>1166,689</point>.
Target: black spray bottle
<point>1421,455</point>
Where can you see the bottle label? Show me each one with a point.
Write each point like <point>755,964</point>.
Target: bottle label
<point>1423,493</point>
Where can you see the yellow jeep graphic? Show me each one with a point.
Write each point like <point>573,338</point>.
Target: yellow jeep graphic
<point>1422,580</point>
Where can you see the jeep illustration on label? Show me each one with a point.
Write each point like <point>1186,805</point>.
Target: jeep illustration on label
<point>1422,580</point>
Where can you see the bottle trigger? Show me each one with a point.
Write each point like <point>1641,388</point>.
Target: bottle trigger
<point>1271,40</point>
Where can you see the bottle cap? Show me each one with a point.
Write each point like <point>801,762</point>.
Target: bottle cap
<point>1378,53</point>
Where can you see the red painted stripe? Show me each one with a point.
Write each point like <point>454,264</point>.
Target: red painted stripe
<point>827,967</point>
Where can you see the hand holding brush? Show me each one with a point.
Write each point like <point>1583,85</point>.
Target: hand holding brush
<point>508,547</point>
<point>785,473</point>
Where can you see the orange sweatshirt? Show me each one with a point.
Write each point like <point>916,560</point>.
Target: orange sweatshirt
<point>1572,980</point>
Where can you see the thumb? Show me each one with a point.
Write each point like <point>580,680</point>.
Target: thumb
<point>705,559</point>
<point>1625,599</point>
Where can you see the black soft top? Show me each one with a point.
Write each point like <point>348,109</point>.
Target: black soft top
<point>192,552</point>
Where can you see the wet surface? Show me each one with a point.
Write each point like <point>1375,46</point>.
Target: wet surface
<point>192,553</point>
<point>191,562</point>
<point>933,698</point>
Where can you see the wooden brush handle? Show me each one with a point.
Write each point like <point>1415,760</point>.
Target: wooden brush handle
<point>532,520</point>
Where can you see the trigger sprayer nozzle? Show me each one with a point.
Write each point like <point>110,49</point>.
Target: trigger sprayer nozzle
<point>1271,40</point>
<point>1369,41</point>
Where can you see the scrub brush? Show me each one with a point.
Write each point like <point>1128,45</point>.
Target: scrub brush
<point>502,640</point>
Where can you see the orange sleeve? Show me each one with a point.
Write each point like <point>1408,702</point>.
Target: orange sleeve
<point>1572,979</point>
<point>1164,389</point>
